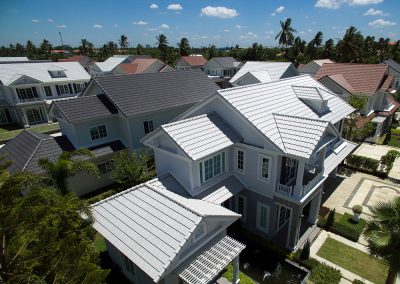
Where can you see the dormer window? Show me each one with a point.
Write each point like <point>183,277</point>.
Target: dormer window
<point>57,74</point>
<point>212,167</point>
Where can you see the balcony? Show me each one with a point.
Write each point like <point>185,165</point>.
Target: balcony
<point>28,100</point>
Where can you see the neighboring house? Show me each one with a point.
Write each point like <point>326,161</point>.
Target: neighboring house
<point>26,89</point>
<point>221,69</point>
<point>28,147</point>
<point>107,67</point>
<point>371,81</point>
<point>312,67</point>
<point>14,59</point>
<point>263,151</point>
<point>127,107</point>
<point>143,65</point>
<point>253,72</point>
<point>194,61</point>
<point>86,62</point>
<point>157,236</point>
<point>394,69</point>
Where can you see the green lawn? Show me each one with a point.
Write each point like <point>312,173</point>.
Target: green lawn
<point>394,141</point>
<point>358,262</point>
<point>7,133</point>
<point>99,243</point>
<point>244,279</point>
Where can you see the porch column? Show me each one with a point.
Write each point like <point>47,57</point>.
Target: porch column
<point>321,160</point>
<point>235,276</point>
<point>46,117</point>
<point>334,172</point>
<point>24,118</point>
<point>314,207</point>
<point>298,189</point>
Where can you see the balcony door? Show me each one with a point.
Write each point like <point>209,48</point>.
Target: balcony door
<point>288,170</point>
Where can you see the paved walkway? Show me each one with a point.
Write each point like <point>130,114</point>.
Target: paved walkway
<point>376,152</point>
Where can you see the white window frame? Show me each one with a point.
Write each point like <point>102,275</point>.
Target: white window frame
<point>47,87</point>
<point>97,127</point>
<point>244,214</point>
<point>279,216</point>
<point>64,89</point>
<point>41,114</point>
<point>259,166</point>
<point>202,176</point>
<point>236,160</point>
<point>258,217</point>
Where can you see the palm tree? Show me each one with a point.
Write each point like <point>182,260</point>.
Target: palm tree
<point>383,235</point>
<point>123,42</point>
<point>349,48</point>
<point>162,45</point>
<point>67,165</point>
<point>286,34</point>
<point>112,47</point>
<point>318,39</point>
<point>139,49</point>
<point>329,48</point>
<point>184,47</point>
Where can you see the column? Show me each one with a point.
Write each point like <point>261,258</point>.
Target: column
<point>333,173</point>
<point>24,118</point>
<point>314,207</point>
<point>298,189</point>
<point>235,276</point>
<point>321,160</point>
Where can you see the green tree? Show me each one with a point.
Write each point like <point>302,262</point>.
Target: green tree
<point>30,49</point>
<point>184,47</point>
<point>212,52</point>
<point>67,165</point>
<point>123,42</point>
<point>45,48</point>
<point>131,169</point>
<point>350,47</point>
<point>329,49</point>
<point>286,36</point>
<point>44,238</point>
<point>383,235</point>
<point>162,45</point>
<point>86,47</point>
<point>112,48</point>
<point>139,49</point>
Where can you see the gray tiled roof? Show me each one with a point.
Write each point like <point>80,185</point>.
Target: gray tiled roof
<point>88,107</point>
<point>392,64</point>
<point>141,93</point>
<point>226,62</point>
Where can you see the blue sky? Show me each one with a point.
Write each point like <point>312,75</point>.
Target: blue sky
<point>203,22</point>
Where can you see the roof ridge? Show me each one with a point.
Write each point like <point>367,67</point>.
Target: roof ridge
<point>279,132</point>
<point>305,118</point>
<point>188,119</point>
<point>308,87</point>
<point>33,153</point>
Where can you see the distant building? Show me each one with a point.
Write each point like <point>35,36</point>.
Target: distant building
<point>221,69</point>
<point>84,60</point>
<point>12,59</point>
<point>312,67</point>
<point>195,61</point>
<point>143,65</point>
<point>107,67</point>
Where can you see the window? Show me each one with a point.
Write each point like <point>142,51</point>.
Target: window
<point>106,167</point>
<point>27,93</point>
<point>129,265</point>
<point>148,126</point>
<point>79,87</point>
<point>241,207</point>
<point>283,216</point>
<point>34,115</point>
<point>262,217</point>
<point>57,74</point>
<point>264,171</point>
<point>47,91</point>
<point>63,89</point>
<point>98,132</point>
<point>239,160</point>
<point>212,167</point>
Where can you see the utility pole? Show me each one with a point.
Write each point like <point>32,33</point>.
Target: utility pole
<point>62,42</point>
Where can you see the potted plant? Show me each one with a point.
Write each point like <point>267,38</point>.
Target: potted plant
<point>357,210</point>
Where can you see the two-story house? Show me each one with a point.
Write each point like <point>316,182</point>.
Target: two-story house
<point>221,69</point>
<point>312,67</point>
<point>253,72</point>
<point>86,62</point>
<point>26,89</point>
<point>143,65</point>
<point>369,81</point>
<point>194,61</point>
<point>262,150</point>
<point>107,67</point>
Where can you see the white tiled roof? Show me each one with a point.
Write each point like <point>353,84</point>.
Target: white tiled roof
<point>110,63</point>
<point>9,73</point>
<point>17,58</point>
<point>264,71</point>
<point>150,225</point>
<point>222,191</point>
<point>308,93</point>
<point>202,135</point>
<point>337,156</point>
<point>299,135</point>
<point>258,102</point>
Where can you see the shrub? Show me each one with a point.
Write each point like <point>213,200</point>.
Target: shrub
<point>356,281</point>
<point>321,222</point>
<point>344,231</point>
<point>357,209</point>
<point>305,252</point>
<point>101,196</point>
<point>322,274</point>
<point>389,159</point>
<point>395,131</point>
<point>331,218</point>
<point>362,163</point>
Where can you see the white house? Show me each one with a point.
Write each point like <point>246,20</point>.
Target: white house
<point>26,89</point>
<point>253,72</point>
<point>222,66</point>
<point>262,150</point>
<point>157,236</point>
<point>143,65</point>
<point>313,66</point>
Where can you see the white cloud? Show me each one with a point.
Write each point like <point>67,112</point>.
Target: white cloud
<point>380,23</point>
<point>97,26</point>
<point>115,26</point>
<point>227,30</point>
<point>175,7</point>
<point>335,4</point>
<point>239,27</point>
<point>302,32</point>
<point>373,12</point>
<point>216,36</point>
<point>249,35</point>
<point>35,21</point>
<point>270,32</point>
<point>279,9</point>
<point>140,23</point>
<point>164,26</point>
<point>50,20</point>
<point>152,29</point>
<point>62,26</point>
<point>309,30</point>
<point>219,12</point>
<point>153,6</point>
<point>273,14</point>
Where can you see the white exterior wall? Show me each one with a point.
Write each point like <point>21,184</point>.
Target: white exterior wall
<point>182,65</point>
<point>310,68</point>
<point>337,89</point>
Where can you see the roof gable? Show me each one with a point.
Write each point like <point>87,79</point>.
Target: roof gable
<point>194,60</point>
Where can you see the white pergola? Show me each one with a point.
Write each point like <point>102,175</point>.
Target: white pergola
<point>206,266</point>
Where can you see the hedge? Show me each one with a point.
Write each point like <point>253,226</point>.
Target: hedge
<point>343,226</point>
<point>363,163</point>
<point>389,159</point>
<point>395,131</point>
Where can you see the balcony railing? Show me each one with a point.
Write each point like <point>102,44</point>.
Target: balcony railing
<point>29,100</point>
<point>285,189</point>
<point>310,185</point>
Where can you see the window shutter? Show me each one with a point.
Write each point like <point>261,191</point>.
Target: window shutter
<point>58,90</point>
<point>70,89</point>
<point>75,88</point>
<point>34,92</point>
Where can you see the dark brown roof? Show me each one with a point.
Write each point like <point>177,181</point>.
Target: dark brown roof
<point>197,60</point>
<point>363,78</point>
<point>141,93</point>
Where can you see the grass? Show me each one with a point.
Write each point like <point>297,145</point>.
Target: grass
<point>356,261</point>
<point>99,243</point>
<point>394,141</point>
<point>7,134</point>
<point>347,221</point>
<point>244,279</point>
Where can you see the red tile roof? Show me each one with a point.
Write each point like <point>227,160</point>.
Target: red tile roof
<point>137,66</point>
<point>362,120</point>
<point>387,83</point>
<point>74,58</point>
<point>128,68</point>
<point>363,78</point>
<point>196,60</point>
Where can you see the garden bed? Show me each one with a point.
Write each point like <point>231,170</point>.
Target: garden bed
<point>344,226</point>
